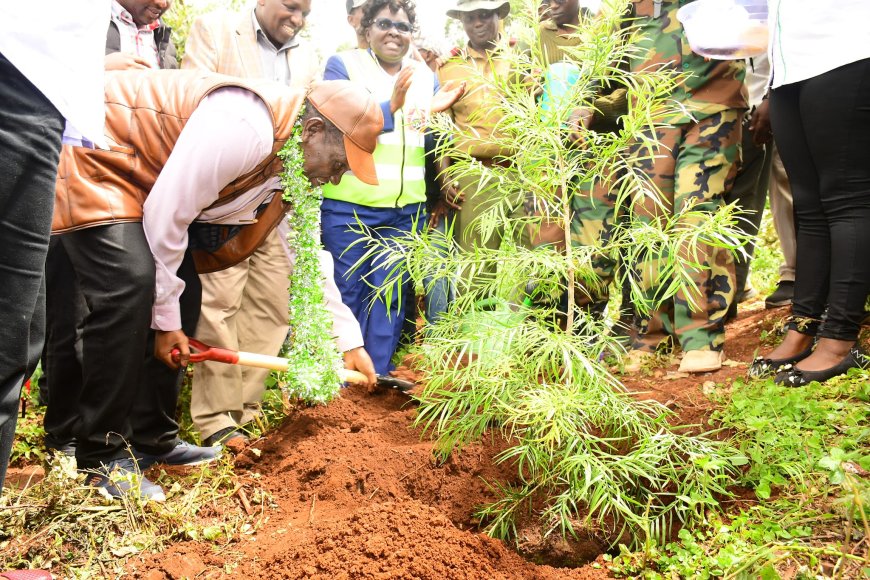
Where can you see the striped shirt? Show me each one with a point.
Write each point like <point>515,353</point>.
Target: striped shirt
<point>136,40</point>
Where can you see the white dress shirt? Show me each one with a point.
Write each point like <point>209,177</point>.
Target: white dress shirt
<point>812,37</point>
<point>59,46</point>
<point>275,64</point>
<point>227,136</point>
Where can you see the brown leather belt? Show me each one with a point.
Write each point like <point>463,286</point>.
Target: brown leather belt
<point>490,161</point>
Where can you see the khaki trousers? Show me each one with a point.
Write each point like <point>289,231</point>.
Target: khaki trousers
<point>243,308</point>
<point>782,210</point>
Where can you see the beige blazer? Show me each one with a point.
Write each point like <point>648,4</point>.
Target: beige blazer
<point>227,43</point>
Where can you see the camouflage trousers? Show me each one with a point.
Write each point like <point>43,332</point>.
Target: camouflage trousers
<point>593,212</point>
<point>694,166</point>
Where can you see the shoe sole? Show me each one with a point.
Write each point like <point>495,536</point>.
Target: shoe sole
<point>704,369</point>
<point>145,464</point>
<point>103,491</point>
<point>777,304</point>
<point>158,497</point>
<point>701,370</point>
<point>200,462</point>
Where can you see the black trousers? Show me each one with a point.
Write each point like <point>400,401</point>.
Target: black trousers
<point>125,397</point>
<point>822,130</point>
<point>65,311</point>
<point>30,139</point>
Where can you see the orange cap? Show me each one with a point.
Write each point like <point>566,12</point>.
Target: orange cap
<point>352,109</point>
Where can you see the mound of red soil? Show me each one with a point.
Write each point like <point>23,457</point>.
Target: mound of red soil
<point>405,540</point>
<point>359,495</point>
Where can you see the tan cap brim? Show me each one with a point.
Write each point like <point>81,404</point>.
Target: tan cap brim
<point>361,162</point>
<point>503,8</point>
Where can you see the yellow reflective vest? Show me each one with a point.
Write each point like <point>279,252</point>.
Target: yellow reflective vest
<point>400,155</point>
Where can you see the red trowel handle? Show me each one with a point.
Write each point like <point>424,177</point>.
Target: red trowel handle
<point>232,357</point>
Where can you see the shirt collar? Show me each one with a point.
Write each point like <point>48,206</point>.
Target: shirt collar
<point>122,14</point>
<point>549,24</point>
<point>258,30</point>
<point>475,53</point>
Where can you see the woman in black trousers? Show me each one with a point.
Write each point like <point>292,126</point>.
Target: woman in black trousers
<point>821,125</point>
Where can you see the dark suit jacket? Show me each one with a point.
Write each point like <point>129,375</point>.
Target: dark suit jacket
<point>166,56</point>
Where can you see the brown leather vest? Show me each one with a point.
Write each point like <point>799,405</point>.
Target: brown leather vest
<point>145,114</point>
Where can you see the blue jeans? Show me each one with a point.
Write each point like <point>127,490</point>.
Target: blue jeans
<point>30,138</point>
<point>381,323</point>
<point>439,290</point>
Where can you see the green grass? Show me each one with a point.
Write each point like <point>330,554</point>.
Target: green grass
<point>808,452</point>
<point>809,457</point>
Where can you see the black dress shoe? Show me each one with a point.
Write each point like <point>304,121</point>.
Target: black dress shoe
<point>794,377</point>
<point>763,367</point>
<point>782,296</point>
<point>224,435</point>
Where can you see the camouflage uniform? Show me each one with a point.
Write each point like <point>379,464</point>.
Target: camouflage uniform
<point>696,163</point>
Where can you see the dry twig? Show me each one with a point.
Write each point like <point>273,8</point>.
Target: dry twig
<point>311,510</point>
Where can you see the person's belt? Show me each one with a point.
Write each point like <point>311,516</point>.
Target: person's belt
<point>490,161</point>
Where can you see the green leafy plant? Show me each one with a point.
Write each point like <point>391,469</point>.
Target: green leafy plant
<point>807,452</point>
<point>788,433</point>
<point>314,360</point>
<point>584,449</point>
<point>29,433</point>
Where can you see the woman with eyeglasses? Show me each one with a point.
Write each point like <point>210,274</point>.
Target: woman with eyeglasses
<point>405,88</point>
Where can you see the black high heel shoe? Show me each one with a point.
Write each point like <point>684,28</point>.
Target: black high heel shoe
<point>763,367</point>
<point>793,377</point>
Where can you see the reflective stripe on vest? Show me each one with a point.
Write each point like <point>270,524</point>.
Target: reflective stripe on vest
<point>400,155</point>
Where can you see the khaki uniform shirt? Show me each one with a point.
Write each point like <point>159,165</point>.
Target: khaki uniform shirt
<point>552,43</point>
<point>473,112</point>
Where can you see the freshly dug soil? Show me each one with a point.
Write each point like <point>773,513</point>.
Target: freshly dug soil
<point>358,494</point>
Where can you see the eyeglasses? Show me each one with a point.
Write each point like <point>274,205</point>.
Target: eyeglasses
<point>400,26</point>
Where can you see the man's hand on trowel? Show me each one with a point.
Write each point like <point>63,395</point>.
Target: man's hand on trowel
<point>165,341</point>
<point>357,359</point>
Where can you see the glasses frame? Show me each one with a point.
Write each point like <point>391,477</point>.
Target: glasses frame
<point>386,24</point>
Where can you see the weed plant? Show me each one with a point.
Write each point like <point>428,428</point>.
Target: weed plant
<point>767,257</point>
<point>62,524</point>
<point>585,451</point>
<point>809,463</point>
<point>27,447</point>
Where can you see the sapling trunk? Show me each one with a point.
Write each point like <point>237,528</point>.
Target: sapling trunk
<point>585,449</point>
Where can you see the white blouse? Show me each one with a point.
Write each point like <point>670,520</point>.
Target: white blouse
<point>812,37</point>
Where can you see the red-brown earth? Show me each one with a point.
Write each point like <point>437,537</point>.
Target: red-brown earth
<point>355,493</point>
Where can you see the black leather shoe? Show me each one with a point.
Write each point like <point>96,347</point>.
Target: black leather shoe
<point>763,367</point>
<point>224,435</point>
<point>793,377</point>
<point>782,296</point>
